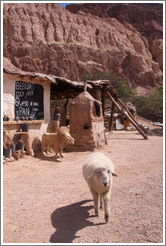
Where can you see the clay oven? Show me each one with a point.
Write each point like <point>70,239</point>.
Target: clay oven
<point>86,122</point>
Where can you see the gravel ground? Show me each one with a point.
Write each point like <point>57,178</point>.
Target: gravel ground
<point>46,200</point>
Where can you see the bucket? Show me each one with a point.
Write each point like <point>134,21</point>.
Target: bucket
<point>25,127</point>
<point>126,123</point>
<point>13,147</point>
<point>20,146</point>
<point>7,152</point>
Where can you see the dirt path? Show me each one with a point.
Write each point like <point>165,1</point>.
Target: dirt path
<point>47,200</point>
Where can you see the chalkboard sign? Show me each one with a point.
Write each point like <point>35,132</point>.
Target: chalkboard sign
<point>29,100</point>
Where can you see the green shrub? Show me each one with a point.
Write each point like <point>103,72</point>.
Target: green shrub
<point>95,75</point>
<point>125,92</point>
<point>150,107</point>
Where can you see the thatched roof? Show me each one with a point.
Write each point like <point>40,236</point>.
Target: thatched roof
<point>60,86</point>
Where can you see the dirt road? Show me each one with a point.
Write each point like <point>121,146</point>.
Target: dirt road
<point>46,200</point>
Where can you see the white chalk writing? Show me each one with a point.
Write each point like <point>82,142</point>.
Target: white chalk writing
<point>24,86</point>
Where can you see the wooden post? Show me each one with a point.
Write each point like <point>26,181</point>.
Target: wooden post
<point>127,115</point>
<point>85,86</point>
<point>97,93</point>
<point>105,138</point>
<point>65,107</point>
<point>111,117</point>
<point>103,98</point>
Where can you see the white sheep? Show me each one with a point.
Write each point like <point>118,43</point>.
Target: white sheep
<point>58,140</point>
<point>98,171</point>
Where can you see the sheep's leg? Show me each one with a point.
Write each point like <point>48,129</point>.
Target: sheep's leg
<point>47,148</point>
<point>61,151</point>
<point>56,152</point>
<point>42,149</point>
<point>101,201</point>
<point>106,198</point>
<point>96,202</point>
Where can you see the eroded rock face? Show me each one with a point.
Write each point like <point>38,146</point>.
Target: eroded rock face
<point>50,39</point>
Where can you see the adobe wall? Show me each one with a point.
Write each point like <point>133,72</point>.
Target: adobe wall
<point>86,127</point>
<point>36,128</point>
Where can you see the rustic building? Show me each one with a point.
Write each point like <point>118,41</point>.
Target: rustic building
<point>26,103</point>
<point>26,106</point>
<point>21,106</point>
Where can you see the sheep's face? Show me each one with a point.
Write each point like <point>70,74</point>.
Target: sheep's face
<point>103,176</point>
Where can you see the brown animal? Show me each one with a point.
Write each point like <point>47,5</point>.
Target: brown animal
<point>57,140</point>
<point>7,140</point>
<point>24,136</point>
<point>55,123</point>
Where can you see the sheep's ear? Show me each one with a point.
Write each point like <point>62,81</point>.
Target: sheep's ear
<point>91,174</point>
<point>115,174</point>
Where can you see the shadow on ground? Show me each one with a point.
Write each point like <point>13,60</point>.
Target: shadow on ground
<point>156,132</point>
<point>47,157</point>
<point>69,220</point>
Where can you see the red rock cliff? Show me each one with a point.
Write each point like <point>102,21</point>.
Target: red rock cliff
<point>124,39</point>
